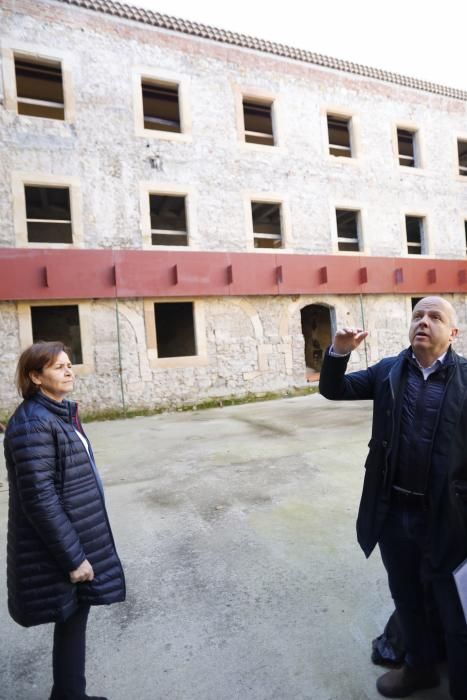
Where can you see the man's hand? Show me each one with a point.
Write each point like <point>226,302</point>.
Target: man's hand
<point>348,339</point>
<point>84,572</point>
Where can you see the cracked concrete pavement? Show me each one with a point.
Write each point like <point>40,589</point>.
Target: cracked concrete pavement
<point>236,528</point>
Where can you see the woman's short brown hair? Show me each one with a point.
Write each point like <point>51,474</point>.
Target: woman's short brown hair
<point>34,359</point>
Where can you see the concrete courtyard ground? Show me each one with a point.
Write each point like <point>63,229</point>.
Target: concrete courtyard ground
<point>236,527</point>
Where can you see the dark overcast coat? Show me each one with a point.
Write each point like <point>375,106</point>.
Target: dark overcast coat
<point>384,384</point>
<point>57,517</point>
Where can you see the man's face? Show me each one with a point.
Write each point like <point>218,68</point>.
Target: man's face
<point>432,327</point>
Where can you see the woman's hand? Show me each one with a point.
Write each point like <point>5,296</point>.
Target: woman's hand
<point>84,572</point>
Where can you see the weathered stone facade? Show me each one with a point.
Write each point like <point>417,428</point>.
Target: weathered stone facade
<point>250,344</point>
<point>254,345</point>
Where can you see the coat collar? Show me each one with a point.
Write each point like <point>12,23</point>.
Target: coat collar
<point>395,373</point>
<point>67,410</point>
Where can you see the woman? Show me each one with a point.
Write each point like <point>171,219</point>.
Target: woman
<point>61,553</point>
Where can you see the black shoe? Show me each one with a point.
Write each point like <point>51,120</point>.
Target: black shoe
<point>402,682</point>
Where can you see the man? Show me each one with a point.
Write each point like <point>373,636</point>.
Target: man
<point>414,500</point>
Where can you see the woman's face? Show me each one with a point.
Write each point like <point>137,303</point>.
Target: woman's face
<point>55,380</point>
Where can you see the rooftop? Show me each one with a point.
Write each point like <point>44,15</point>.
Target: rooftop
<point>176,24</point>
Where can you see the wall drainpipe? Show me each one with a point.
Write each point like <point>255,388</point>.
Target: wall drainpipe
<point>119,346</point>
<point>363,327</point>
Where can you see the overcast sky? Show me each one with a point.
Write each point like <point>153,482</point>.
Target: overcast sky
<point>419,38</point>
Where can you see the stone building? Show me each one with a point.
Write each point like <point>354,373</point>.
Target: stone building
<point>193,211</point>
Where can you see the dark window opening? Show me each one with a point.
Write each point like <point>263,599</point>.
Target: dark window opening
<point>175,329</point>
<point>161,107</point>
<point>414,301</point>
<point>39,88</point>
<point>347,230</point>
<point>462,152</point>
<point>339,136</point>
<point>48,214</point>
<point>58,323</point>
<point>266,224</point>
<point>317,333</point>
<point>406,147</point>
<point>414,228</point>
<point>168,220</point>
<point>258,123</point>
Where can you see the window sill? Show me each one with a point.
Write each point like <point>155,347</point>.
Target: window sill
<point>151,246</point>
<point>261,147</point>
<point>343,159</point>
<point>416,256</point>
<point>269,251</point>
<point>164,135</point>
<point>418,170</point>
<point>43,122</point>
<point>156,362</point>
<point>350,252</point>
<point>46,246</point>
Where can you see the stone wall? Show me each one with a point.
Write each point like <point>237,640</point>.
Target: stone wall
<point>250,344</point>
<point>103,149</point>
<point>253,345</point>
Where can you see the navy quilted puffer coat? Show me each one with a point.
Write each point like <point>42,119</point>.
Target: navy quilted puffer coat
<point>57,517</point>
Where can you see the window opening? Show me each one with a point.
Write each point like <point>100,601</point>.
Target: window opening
<point>168,220</point>
<point>48,214</point>
<point>414,228</point>
<point>58,323</point>
<point>406,147</point>
<point>258,123</point>
<point>414,301</point>
<point>175,329</point>
<point>161,107</point>
<point>266,224</point>
<point>347,230</point>
<point>462,153</point>
<point>39,88</point>
<point>339,136</point>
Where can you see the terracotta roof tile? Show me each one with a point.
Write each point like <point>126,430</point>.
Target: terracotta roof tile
<point>205,31</point>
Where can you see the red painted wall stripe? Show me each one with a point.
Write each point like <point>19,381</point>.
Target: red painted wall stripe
<point>27,274</point>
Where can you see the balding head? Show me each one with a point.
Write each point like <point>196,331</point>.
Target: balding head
<point>444,304</point>
<point>432,329</point>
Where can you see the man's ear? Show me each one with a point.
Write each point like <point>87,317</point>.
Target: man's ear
<point>454,333</point>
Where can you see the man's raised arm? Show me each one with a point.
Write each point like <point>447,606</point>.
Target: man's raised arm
<point>333,382</point>
<point>347,339</point>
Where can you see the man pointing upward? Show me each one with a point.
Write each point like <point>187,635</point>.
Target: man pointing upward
<point>414,500</point>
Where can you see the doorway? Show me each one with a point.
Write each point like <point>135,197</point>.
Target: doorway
<point>317,332</point>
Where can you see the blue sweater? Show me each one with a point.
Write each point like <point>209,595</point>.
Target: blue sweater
<point>421,404</point>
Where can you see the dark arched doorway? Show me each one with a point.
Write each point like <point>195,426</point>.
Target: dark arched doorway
<point>317,332</point>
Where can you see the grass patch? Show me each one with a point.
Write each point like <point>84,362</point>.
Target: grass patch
<point>218,402</point>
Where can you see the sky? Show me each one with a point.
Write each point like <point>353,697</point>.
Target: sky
<point>418,38</point>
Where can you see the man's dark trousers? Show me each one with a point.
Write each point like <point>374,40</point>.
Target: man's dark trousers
<point>404,550</point>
